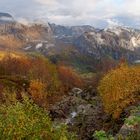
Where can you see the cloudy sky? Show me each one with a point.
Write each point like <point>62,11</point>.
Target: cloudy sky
<point>98,13</point>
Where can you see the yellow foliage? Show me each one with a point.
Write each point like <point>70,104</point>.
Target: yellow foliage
<point>120,88</point>
<point>4,54</point>
<point>37,90</point>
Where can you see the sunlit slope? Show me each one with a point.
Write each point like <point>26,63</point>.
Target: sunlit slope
<point>3,54</point>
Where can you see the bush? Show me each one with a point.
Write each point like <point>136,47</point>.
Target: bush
<point>120,88</point>
<point>15,72</point>
<point>27,121</point>
<point>37,92</point>
<point>69,77</point>
<point>30,73</point>
<point>101,135</point>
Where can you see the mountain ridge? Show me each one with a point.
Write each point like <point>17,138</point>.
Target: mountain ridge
<point>84,41</point>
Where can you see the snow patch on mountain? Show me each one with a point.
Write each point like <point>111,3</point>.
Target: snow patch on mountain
<point>27,48</point>
<point>134,41</point>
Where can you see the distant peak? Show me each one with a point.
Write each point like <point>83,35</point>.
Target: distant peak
<point>6,18</point>
<point>5,15</point>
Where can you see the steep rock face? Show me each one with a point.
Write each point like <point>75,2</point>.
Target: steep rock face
<point>116,42</point>
<point>68,33</point>
<point>38,37</point>
<point>32,37</point>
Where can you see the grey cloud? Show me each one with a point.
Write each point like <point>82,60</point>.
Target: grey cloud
<point>76,12</point>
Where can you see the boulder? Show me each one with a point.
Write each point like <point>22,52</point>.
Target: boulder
<point>81,116</point>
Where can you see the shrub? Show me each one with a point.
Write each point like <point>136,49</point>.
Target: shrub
<point>120,88</point>
<point>27,121</point>
<point>134,122</point>
<point>37,91</point>
<point>69,77</point>
<point>101,135</point>
<point>31,73</point>
<point>34,67</point>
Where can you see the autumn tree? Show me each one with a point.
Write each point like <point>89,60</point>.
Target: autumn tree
<point>120,88</point>
<point>43,80</point>
<point>37,91</point>
<point>69,77</point>
<point>14,65</point>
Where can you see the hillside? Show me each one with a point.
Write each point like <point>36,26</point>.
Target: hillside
<point>15,35</point>
<point>116,42</point>
<point>68,82</point>
<point>78,45</point>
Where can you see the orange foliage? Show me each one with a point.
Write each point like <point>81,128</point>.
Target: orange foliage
<point>14,66</point>
<point>31,67</point>
<point>37,91</point>
<point>39,72</point>
<point>120,88</point>
<point>46,81</point>
<point>69,77</point>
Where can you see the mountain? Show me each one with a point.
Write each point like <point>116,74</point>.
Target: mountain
<point>85,47</point>
<point>80,46</point>
<point>68,33</point>
<point>6,18</point>
<point>30,37</point>
<point>115,42</point>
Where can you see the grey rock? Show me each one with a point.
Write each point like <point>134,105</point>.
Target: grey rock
<point>80,115</point>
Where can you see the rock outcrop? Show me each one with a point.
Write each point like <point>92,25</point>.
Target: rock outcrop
<point>67,34</point>
<point>117,43</point>
<point>131,127</point>
<point>83,114</point>
<point>31,37</point>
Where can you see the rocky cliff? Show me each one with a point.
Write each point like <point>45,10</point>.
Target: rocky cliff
<point>116,42</point>
<point>30,37</point>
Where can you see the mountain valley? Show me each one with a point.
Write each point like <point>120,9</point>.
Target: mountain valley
<point>68,82</point>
